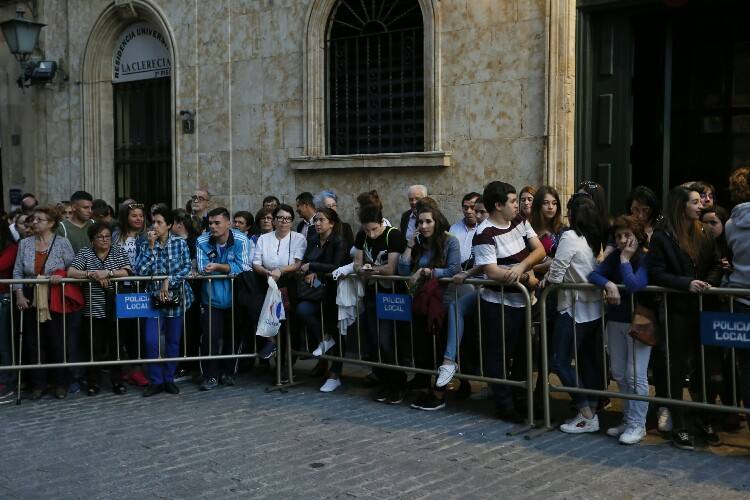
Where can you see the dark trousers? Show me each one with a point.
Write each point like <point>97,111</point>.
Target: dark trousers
<point>216,340</point>
<point>494,343</point>
<point>381,341</point>
<point>565,346</point>
<point>100,344</point>
<point>44,344</point>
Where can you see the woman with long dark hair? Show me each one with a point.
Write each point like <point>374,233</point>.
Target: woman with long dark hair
<point>579,311</point>
<point>643,204</point>
<point>682,256</point>
<point>326,252</point>
<point>546,220</point>
<point>435,253</point>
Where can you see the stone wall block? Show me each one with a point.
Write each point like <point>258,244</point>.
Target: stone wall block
<point>213,32</point>
<point>532,9</point>
<point>247,127</point>
<point>213,85</point>
<point>276,177</point>
<point>246,172</point>
<point>246,37</point>
<point>247,82</point>
<point>533,107</point>
<point>491,12</point>
<point>282,28</point>
<point>455,112</point>
<point>187,55</point>
<point>282,78</point>
<point>495,110</point>
<point>213,130</point>
<point>453,15</point>
<point>214,171</point>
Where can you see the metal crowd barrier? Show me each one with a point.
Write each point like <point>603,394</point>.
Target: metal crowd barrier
<point>669,401</point>
<point>410,367</point>
<point>140,284</point>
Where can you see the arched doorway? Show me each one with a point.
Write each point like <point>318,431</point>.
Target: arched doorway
<point>141,76</point>
<point>128,119</point>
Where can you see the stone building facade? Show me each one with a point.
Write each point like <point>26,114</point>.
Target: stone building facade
<point>498,95</point>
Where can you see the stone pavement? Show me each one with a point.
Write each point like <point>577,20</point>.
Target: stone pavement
<point>241,442</point>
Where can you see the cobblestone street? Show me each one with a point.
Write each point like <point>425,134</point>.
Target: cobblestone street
<point>242,442</point>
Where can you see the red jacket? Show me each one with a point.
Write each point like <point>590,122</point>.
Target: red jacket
<point>7,259</point>
<point>428,302</point>
<point>74,300</point>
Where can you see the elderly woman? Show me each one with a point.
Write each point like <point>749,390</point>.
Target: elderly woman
<point>38,257</point>
<point>99,263</point>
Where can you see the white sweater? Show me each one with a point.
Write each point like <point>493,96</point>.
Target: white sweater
<point>573,263</point>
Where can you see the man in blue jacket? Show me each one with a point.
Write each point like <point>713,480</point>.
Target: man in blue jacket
<point>221,250</point>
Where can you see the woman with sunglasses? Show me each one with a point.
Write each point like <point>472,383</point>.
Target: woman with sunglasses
<point>278,255</point>
<point>38,257</point>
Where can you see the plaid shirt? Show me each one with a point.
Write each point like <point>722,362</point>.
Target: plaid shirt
<point>173,260</point>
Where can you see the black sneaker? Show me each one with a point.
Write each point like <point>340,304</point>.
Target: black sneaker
<point>429,403</point>
<point>464,390</point>
<point>709,433</point>
<point>171,388</point>
<point>267,351</point>
<point>682,440</point>
<point>382,395</point>
<point>226,380</point>
<point>209,384</point>
<point>395,396</point>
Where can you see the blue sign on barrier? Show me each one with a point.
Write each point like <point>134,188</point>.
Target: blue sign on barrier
<point>725,329</point>
<point>134,305</point>
<point>393,306</point>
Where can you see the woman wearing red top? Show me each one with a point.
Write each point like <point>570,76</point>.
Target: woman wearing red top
<point>8,250</point>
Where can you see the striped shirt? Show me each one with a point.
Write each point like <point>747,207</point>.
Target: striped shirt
<point>506,247</point>
<point>87,260</point>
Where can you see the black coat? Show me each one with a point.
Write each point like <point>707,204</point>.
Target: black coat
<point>670,266</point>
<point>404,224</point>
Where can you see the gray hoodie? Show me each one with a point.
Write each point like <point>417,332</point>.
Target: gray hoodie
<point>737,232</point>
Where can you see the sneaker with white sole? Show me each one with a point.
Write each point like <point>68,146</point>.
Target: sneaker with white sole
<point>663,419</point>
<point>324,346</point>
<point>331,385</point>
<point>581,424</point>
<point>445,374</point>
<point>617,431</point>
<point>633,434</point>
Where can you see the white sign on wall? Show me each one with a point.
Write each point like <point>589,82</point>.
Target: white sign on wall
<point>141,53</point>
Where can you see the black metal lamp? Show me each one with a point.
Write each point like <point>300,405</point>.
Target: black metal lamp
<point>22,35</point>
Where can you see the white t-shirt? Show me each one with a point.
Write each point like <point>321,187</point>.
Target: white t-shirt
<point>273,253</point>
<point>465,235</point>
<point>130,248</point>
<point>573,263</point>
<point>506,247</point>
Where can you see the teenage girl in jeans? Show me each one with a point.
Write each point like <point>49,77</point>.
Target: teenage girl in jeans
<point>683,256</point>
<point>628,357</point>
<point>579,311</point>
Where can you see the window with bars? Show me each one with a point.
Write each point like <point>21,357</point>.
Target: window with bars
<point>375,67</point>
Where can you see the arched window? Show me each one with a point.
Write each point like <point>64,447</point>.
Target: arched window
<point>375,68</point>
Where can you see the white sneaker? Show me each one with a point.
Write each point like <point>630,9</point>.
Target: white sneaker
<point>483,393</point>
<point>324,346</point>
<point>581,424</point>
<point>331,385</point>
<point>617,431</point>
<point>664,419</point>
<point>445,374</point>
<point>633,434</point>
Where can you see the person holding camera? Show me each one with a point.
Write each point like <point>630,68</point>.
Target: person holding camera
<point>164,254</point>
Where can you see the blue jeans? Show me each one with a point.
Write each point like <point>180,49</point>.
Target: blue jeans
<point>492,347</point>
<point>158,373</point>
<point>563,353</point>
<point>6,357</point>
<point>629,365</point>
<point>467,303</point>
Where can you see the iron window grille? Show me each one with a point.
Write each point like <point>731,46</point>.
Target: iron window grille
<point>375,68</point>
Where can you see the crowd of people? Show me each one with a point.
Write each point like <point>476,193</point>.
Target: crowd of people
<point>511,238</point>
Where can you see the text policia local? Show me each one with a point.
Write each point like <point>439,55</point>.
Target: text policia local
<point>137,302</point>
<point>394,304</point>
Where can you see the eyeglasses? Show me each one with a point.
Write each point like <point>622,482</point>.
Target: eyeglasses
<point>332,206</point>
<point>284,219</point>
<point>198,198</point>
<point>37,219</point>
<point>136,206</point>
<point>267,218</point>
<point>103,237</point>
